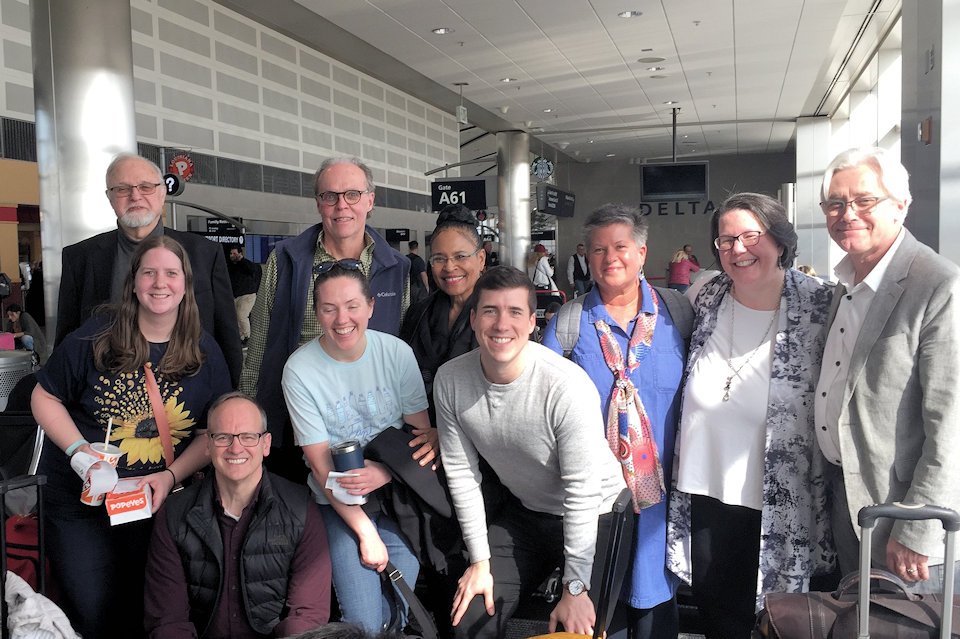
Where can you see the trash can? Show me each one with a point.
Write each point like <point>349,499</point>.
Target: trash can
<point>14,366</point>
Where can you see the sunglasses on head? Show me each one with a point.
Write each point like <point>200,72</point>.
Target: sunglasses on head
<point>347,264</point>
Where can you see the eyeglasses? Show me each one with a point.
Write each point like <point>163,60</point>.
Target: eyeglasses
<point>325,267</point>
<point>859,204</point>
<point>747,238</point>
<point>124,190</point>
<point>441,260</point>
<point>350,197</point>
<point>223,440</point>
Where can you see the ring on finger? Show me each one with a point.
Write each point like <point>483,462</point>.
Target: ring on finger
<point>911,571</point>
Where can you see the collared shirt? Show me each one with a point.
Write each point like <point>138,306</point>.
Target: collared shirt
<point>844,331</point>
<point>311,328</point>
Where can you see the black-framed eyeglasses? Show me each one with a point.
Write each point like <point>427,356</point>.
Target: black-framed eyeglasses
<point>224,440</point>
<point>350,197</point>
<point>346,263</point>
<point>124,190</point>
<point>860,204</point>
<point>747,238</point>
<point>458,259</point>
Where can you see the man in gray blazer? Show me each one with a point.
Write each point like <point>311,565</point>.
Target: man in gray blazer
<point>887,403</point>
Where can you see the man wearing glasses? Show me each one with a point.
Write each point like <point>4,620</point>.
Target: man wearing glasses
<point>283,317</point>
<point>94,269</point>
<point>887,405</point>
<point>242,553</point>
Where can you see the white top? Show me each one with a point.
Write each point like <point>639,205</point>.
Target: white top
<point>722,442</point>
<point>844,331</point>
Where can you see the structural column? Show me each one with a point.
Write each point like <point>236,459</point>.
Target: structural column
<point>814,152</point>
<point>83,90</point>
<point>513,192</point>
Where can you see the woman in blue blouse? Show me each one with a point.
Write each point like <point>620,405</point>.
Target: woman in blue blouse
<point>625,326</point>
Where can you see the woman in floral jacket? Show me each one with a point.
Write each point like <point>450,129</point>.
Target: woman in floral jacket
<point>748,514</point>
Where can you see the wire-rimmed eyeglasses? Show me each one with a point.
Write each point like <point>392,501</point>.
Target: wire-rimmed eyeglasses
<point>124,190</point>
<point>860,204</point>
<point>747,238</point>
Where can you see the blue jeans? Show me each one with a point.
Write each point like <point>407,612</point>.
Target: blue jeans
<point>27,341</point>
<point>360,590</point>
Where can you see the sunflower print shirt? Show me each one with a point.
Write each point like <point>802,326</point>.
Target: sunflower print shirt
<point>92,397</point>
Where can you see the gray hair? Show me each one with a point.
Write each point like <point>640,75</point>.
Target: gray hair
<point>892,174</point>
<point>120,158</point>
<point>357,162</point>
<point>616,214</point>
<point>226,397</point>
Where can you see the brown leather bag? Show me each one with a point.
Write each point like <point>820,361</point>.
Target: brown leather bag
<point>894,612</point>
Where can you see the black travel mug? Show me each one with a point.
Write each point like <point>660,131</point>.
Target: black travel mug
<point>347,456</point>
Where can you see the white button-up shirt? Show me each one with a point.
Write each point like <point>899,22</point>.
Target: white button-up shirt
<point>844,331</point>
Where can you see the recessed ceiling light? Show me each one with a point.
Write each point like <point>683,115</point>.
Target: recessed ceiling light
<point>548,110</point>
<point>670,102</point>
<point>651,60</point>
<point>442,30</point>
<point>611,155</point>
<point>630,14</point>
<point>508,79</point>
<point>590,142</point>
<point>654,68</point>
<point>659,77</point>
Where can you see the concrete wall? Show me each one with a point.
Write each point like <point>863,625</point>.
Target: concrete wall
<point>672,224</point>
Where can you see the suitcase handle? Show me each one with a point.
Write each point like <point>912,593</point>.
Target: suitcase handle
<point>868,515</point>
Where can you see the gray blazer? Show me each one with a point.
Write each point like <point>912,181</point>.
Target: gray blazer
<point>900,421</point>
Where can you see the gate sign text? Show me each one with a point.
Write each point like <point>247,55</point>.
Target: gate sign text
<point>470,193</point>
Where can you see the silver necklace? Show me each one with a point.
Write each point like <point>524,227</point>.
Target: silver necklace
<point>735,371</point>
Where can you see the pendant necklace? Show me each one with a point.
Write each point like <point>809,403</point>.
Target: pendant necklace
<point>735,371</point>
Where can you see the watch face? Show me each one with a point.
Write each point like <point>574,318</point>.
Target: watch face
<point>575,587</point>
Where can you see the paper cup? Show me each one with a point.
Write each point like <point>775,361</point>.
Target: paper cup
<point>101,477</point>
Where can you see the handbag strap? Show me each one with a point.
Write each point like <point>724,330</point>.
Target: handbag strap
<point>425,622</point>
<point>159,414</point>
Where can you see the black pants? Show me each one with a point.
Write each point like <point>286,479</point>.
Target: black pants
<point>726,557</point>
<point>525,547</point>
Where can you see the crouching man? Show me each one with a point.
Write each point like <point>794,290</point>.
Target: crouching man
<point>243,553</point>
<point>535,417</point>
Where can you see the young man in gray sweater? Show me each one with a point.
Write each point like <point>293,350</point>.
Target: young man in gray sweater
<point>535,417</point>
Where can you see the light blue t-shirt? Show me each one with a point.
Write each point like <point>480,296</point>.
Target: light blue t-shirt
<point>336,401</point>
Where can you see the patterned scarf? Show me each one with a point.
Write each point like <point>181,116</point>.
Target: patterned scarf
<point>628,428</point>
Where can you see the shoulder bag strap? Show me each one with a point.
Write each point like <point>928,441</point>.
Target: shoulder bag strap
<point>159,414</point>
<point>424,621</point>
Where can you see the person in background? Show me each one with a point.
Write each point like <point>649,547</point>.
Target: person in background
<point>681,266</point>
<point>243,553</point>
<point>542,273</point>
<point>245,280</point>
<point>578,271</point>
<point>535,417</point>
<point>550,311</point>
<point>887,406</point>
<point>94,269</point>
<point>419,285</point>
<point>148,367</point>
<point>34,303</point>
<point>26,332</point>
<point>632,350</point>
<point>283,317</point>
<point>807,270</point>
<point>350,384</point>
<point>491,258</point>
<point>688,249</point>
<point>749,511</point>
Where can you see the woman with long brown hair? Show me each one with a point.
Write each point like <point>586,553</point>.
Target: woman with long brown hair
<point>145,367</point>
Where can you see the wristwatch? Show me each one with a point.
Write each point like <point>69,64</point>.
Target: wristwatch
<point>575,587</point>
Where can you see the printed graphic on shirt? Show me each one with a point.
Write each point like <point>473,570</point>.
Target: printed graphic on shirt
<point>362,416</point>
<point>124,398</point>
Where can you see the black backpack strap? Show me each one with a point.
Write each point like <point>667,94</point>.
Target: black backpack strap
<point>680,309</point>
<point>568,325</point>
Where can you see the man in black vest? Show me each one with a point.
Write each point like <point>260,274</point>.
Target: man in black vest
<point>578,271</point>
<point>242,553</point>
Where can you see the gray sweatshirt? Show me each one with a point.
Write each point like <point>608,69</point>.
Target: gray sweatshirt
<point>543,436</point>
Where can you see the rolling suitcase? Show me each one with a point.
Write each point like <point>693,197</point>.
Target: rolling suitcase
<point>855,609</point>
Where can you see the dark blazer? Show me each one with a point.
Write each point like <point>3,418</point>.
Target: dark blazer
<point>88,272</point>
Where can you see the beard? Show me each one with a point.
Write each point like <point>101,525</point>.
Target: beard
<point>138,218</point>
